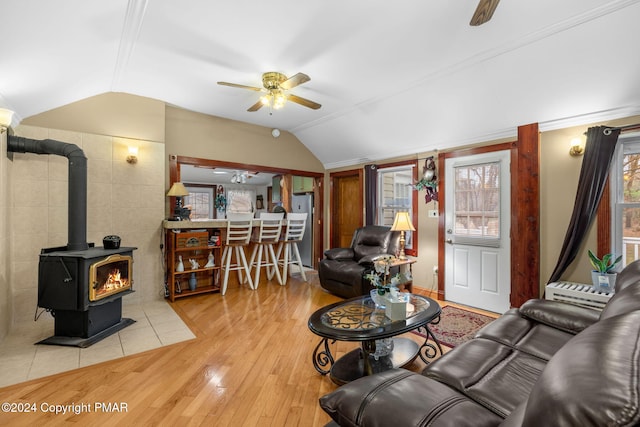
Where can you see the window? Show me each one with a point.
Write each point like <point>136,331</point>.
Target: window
<point>477,202</point>
<point>200,201</point>
<point>396,194</point>
<point>625,198</point>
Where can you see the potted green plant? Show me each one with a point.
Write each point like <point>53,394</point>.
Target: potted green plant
<point>603,276</point>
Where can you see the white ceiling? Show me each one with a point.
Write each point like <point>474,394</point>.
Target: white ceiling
<point>393,78</point>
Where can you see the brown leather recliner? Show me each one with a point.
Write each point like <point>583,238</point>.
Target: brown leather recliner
<point>341,271</point>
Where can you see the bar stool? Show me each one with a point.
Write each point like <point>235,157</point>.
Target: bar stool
<point>294,233</point>
<point>239,226</point>
<point>263,255</point>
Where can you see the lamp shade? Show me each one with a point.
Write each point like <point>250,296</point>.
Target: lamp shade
<point>178,190</point>
<point>402,222</point>
<point>6,116</point>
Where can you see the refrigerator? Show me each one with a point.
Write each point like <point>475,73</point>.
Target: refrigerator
<point>304,203</point>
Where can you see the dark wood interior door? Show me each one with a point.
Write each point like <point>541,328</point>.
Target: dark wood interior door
<point>346,207</point>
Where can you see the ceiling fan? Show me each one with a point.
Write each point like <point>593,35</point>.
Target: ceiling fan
<point>484,12</point>
<point>275,90</point>
<point>241,177</point>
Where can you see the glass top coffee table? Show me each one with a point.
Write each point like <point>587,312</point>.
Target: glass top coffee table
<point>358,319</point>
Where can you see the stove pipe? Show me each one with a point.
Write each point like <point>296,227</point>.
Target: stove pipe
<point>77,215</point>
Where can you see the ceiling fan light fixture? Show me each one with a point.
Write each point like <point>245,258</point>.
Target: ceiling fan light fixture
<point>275,87</point>
<point>279,99</point>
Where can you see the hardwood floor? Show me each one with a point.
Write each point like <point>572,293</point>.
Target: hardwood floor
<point>250,365</point>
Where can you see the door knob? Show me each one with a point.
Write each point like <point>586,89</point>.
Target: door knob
<point>449,241</point>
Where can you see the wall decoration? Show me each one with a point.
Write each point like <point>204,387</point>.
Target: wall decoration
<point>429,180</point>
<point>220,201</point>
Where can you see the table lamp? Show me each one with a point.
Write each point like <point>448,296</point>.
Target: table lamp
<point>402,223</point>
<point>178,191</point>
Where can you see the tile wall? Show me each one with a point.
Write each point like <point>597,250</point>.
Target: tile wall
<point>123,199</point>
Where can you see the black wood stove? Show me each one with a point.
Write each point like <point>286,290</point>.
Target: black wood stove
<point>80,284</point>
<point>84,290</point>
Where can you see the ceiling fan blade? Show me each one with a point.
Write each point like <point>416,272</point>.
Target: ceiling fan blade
<point>257,89</point>
<point>294,81</point>
<point>304,102</point>
<point>256,106</point>
<point>484,12</point>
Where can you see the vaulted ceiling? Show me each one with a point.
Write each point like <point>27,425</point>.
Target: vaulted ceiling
<point>393,78</point>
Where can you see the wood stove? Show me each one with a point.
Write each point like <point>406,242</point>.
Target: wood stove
<point>80,284</point>
<point>73,285</point>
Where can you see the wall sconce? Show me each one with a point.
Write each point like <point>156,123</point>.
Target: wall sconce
<point>577,149</point>
<point>6,116</point>
<point>132,158</point>
<point>402,223</point>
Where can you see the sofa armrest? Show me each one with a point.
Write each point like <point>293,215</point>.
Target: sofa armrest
<point>566,317</point>
<point>403,398</point>
<point>339,253</point>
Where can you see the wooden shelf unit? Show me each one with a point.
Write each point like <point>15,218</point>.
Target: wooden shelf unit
<point>192,245</point>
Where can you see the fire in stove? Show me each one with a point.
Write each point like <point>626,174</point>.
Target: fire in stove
<point>110,276</point>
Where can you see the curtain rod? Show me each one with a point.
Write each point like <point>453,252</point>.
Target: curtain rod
<point>622,128</point>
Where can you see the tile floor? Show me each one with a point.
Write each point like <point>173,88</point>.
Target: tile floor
<point>156,325</point>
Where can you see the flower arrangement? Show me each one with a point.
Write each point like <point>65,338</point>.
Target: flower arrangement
<point>380,276</point>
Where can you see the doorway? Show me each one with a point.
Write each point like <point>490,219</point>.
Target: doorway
<point>477,224</point>
<point>346,206</point>
<point>285,195</point>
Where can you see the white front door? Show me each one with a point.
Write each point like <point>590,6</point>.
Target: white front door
<point>477,228</point>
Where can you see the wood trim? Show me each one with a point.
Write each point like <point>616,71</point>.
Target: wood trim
<point>186,160</point>
<point>442,157</point>
<point>441,224</point>
<point>318,208</point>
<point>604,222</point>
<point>414,196</point>
<point>525,208</point>
<point>525,217</point>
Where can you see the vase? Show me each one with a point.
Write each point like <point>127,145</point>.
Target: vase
<point>603,282</point>
<point>384,347</point>
<point>180,266</point>
<point>377,299</point>
<point>193,282</point>
<point>380,300</point>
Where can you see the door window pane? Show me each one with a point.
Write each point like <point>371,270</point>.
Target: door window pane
<point>477,200</point>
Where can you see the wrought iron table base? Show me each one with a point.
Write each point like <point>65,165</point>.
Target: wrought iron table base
<point>360,362</point>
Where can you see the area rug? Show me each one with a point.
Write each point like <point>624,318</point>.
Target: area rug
<point>457,325</point>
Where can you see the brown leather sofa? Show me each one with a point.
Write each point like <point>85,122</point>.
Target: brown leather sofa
<point>545,364</point>
<point>341,271</point>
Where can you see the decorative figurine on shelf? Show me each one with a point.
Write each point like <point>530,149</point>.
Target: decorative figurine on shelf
<point>180,266</point>
<point>194,264</point>
<point>210,262</point>
<point>193,282</point>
